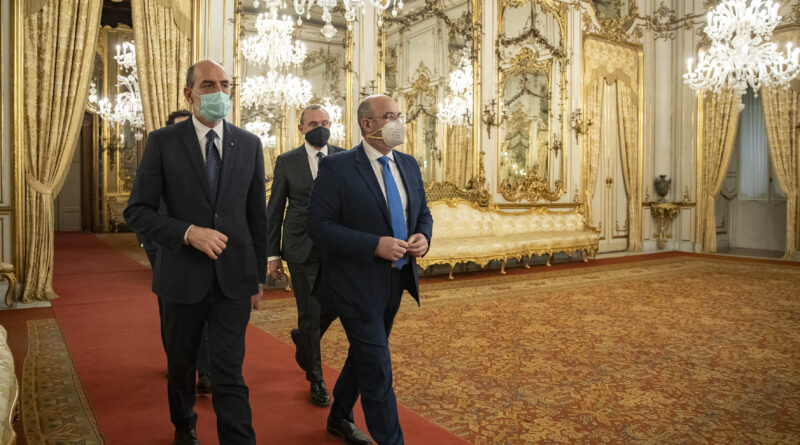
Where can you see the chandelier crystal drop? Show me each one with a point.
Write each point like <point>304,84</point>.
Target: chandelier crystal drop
<point>127,105</point>
<point>352,9</point>
<point>273,44</point>
<point>262,129</point>
<point>457,107</point>
<point>741,51</point>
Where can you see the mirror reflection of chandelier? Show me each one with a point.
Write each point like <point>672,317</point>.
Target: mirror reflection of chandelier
<point>335,116</point>
<point>741,51</point>
<point>261,129</point>
<point>274,46</point>
<point>457,107</point>
<point>127,105</point>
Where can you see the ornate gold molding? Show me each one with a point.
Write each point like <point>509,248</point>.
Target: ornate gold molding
<point>439,191</point>
<point>664,23</point>
<point>664,212</point>
<point>530,188</point>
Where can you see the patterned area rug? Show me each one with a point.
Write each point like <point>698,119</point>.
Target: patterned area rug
<point>54,405</point>
<point>678,350</point>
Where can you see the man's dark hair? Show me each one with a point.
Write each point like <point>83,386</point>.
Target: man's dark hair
<point>176,114</point>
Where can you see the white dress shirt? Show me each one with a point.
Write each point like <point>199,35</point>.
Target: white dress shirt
<point>202,132</point>
<point>373,156</point>
<point>313,161</point>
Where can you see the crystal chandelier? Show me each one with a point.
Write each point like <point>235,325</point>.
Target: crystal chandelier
<point>351,10</point>
<point>741,52</point>
<point>457,107</point>
<point>274,46</point>
<point>127,105</point>
<point>262,129</point>
<point>335,116</point>
<point>275,89</point>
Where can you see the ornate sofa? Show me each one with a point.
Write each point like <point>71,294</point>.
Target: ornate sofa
<point>9,392</point>
<point>466,232</point>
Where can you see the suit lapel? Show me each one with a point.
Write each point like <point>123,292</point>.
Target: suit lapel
<point>193,152</point>
<point>229,155</point>
<point>304,166</point>
<point>365,168</point>
<point>406,175</point>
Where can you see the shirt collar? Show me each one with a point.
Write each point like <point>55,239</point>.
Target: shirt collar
<point>312,152</point>
<point>201,128</point>
<point>373,154</point>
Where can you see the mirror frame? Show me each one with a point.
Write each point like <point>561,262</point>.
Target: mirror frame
<point>478,179</point>
<point>347,113</point>
<point>527,188</point>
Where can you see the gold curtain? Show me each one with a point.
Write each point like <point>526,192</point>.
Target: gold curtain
<point>163,54</point>
<point>59,38</point>
<point>593,104</point>
<point>628,120</point>
<point>458,156</point>
<point>782,114</point>
<point>720,121</point>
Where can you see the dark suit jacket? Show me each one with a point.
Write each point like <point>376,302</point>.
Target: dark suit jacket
<point>172,168</point>
<point>292,181</point>
<point>346,216</point>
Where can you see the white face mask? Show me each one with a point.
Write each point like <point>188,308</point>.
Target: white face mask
<point>393,133</point>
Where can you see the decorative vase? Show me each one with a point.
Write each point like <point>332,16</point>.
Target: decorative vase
<point>662,184</point>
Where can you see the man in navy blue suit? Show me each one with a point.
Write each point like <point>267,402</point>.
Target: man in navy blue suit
<point>212,249</point>
<point>369,213</point>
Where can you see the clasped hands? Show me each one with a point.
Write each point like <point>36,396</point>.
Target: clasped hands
<point>212,243</point>
<point>393,249</point>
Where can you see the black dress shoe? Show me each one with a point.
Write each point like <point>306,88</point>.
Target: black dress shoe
<point>185,436</point>
<point>203,385</point>
<point>295,333</point>
<point>347,431</point>
<point>319,394</point>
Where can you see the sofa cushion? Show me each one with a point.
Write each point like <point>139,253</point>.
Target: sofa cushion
<point>536,221</point>
<point>516,244</point>
<point>459,220</point>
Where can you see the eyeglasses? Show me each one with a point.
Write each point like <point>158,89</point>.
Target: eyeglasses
<point>392,117</point>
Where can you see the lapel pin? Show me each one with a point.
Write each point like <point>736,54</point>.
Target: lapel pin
<point>231,144</point>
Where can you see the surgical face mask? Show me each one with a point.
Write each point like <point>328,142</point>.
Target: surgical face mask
<point>318,137</point>
<point>393,133</point>
<point>214,106</point>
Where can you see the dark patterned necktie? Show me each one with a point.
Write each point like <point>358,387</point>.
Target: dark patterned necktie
<point>213,165</point>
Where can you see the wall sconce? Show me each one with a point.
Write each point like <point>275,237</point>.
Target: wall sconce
<point>578,124</point>
<point>372,87</point>
<point>489,117</point>
<point>556,146</point>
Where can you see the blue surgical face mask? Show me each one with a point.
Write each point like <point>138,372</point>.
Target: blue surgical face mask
<point>214,106</point>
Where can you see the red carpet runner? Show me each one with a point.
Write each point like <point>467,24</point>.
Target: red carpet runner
<point>109,318</point>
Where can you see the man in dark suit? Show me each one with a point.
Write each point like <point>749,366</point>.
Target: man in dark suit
<point>212,254</point>
<point>294,174</point>
<point>369,213</point>
<point>151,249</point>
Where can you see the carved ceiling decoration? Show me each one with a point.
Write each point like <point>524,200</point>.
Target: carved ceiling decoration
<point>532,34</point>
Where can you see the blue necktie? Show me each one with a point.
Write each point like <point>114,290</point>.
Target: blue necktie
<point>395,206</point>
<point>213,165</point>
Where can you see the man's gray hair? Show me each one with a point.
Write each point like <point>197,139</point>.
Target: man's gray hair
<point>190,76</point>
<point>310,108</point>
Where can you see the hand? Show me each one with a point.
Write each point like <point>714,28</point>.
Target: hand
<point>391,249</point>
<point>276,269</point>
<point>208,241</point>
<point>417,245</point>
<point>256,298</point>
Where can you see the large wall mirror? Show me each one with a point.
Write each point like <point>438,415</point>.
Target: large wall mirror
<point>423,47</point>
<point>532,85</point>
<point>285,64</point>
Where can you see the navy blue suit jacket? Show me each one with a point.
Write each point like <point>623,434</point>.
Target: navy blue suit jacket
<point>347,215</point>
<point>172,169</point>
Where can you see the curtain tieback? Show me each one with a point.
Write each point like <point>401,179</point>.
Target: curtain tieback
<point>38,186</point>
